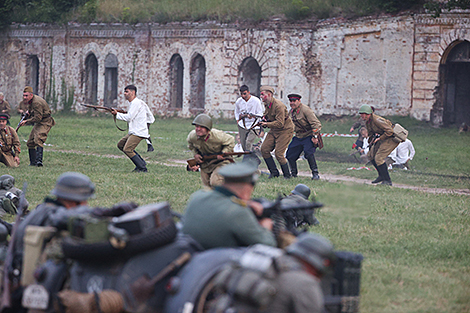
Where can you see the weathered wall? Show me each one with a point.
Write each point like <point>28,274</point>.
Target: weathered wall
<point>391,63</point>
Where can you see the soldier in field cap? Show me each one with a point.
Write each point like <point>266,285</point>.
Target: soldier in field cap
<point>307,132</point>
<point>280,134</point>
<point>224,216</point>
<point>10,146</point>
<point>39,115</point>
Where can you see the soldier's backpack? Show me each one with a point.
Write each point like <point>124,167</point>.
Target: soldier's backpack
<point>399,133</point>
<point>249,284</point>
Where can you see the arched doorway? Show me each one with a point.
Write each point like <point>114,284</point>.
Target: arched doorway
<point>455,81</point>
<point>250,75</point>
<point>91,79</point>
<point>110,79</point>
<point>198,83</point>
<point>176,82</point>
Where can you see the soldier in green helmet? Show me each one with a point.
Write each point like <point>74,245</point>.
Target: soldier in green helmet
<point>204,140</point>
<point>381,142</point>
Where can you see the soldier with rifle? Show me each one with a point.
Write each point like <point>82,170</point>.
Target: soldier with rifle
<point>39,115</point>
<point>221,217</point>
<point>138,129</point>
<point>279,135</point>
<point>10,146</point>
<point>204,141</point>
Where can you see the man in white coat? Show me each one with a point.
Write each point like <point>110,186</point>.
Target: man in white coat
<point>136,117</point>
<point>403,154</point>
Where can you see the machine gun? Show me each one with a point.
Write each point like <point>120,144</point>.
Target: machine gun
<point>294,215</point>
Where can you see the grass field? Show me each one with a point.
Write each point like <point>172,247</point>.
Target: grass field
<point>416,245</point>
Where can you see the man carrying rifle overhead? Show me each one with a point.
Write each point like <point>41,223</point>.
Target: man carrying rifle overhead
<point>39,115</point>
<point>136,116</point>
<point>205,140</point>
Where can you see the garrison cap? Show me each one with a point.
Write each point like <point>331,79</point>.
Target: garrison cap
<point>28,89</point>
<point>267,88</point>
<point>241,172</point>
<point>4,117</point>
<point>294,96</point>
<point>73,186</point>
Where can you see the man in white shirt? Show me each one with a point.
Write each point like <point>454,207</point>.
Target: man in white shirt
<point>402,154</point>
<point>248,111</point>
<point>137,119</point>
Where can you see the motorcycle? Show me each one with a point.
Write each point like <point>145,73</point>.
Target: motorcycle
<point>148,265</point>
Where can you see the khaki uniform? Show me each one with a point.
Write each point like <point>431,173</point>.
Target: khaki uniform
<point>305,121</point>
<point>280,133</point>
<point>40,117</point>
<point>380,150</point>
<point>5,107</point>
<point>9,146</point>
<point>217,141</point>
<point>217,218</point>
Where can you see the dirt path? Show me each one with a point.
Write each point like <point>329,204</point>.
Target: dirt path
<point>326,177</point>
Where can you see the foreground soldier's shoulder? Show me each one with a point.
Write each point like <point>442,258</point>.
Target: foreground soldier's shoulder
<point>239,201</point>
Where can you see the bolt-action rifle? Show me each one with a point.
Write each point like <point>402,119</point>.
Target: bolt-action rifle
<point>100,107</point>
<point>206,157</point>
<point>23,117</point>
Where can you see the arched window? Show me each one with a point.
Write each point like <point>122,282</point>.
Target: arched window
<point>250,75</point>
<point>455,78</point>
<point>32,71</point>
<point>198,83</point>
<point>91,79</point>
<point>110,79</point>
<point>176,82</point>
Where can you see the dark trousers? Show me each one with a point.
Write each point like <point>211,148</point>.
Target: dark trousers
<point>298,145</point>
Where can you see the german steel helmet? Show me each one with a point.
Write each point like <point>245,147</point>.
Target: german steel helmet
<point>315,250</point>
<point>365,109</point>
<point>73,186</point>
<point>301,190</point>
<point>203,120</point>
<point>7,182</point>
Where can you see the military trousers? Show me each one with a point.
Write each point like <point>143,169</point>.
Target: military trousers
<point>380,150</point>
<point>38,136</point>
<point>247,138</point>
<point>128,143</point>
<point>212,179</point>
<point>277,141</point>
<point>8,159</point>
<point>298,145</point>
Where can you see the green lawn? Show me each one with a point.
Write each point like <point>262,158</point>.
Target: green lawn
<point>416,245</point>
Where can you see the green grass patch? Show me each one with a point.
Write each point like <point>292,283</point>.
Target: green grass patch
<point>416,245</point>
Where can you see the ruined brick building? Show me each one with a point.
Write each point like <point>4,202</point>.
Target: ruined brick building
<point>413,65</point>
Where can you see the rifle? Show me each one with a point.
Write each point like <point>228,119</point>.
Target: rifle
<point>8,265</point>
<point>100,107</point>
<point>23,117</point>
<point>294,215</point>
<point>193,162</point>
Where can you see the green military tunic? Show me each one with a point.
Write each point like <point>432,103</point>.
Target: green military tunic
<point>382,148</point>
<point>217,218</point>
<point>280,133</point>
<point>40,117</point>
<point>217,141</point>
<point>9,146</point>
<point>305,121</point>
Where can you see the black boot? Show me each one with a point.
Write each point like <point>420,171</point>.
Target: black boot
<point>285,170</point>
<point>150,147</point>
<point>293,168</point>
<point>271,167</point>
<point>139,164</point>
<point>32,157</point>
<point>379,178</point>
<point>383,170</point>
<point>39,151</point>
<point>312,163</point>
